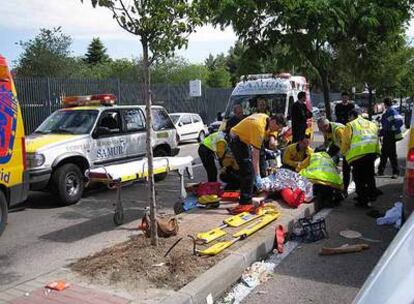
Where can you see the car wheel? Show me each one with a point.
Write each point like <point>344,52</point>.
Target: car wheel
<point>201,136</point>
<point>160,152</point>
<point>69,183</point>
<point>3,212</point>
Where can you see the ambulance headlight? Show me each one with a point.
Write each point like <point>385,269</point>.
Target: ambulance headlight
<point>35,160</point>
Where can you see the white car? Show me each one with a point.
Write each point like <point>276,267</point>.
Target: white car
<point>189,126</point>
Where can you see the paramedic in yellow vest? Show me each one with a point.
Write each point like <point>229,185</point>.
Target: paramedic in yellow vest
<point>321,170</point>
<point>333,133</point>
<point>296,153</point>
<point>212,145</point>
<point>246,139</point>
<point>360,146</point>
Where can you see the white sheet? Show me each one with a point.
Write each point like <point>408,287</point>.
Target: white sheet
<point>139,168</point>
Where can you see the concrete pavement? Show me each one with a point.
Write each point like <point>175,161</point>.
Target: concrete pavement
<point>306,277</point>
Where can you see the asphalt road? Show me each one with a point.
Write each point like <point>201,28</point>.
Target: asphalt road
<point>306,277</point>
<point>42,237</point>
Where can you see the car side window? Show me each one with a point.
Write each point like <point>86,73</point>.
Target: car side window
<point>196,118</point>
<point>186,120</point>
<point>134,121</point>
<point>161,120</point>
<point>110,123</point>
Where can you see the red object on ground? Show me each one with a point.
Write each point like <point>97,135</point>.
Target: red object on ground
<point>230,196</point>
<point>209,188</point>
<point>293,198</point>
<point>58,285</point>
<point>242,208</point>
<point>74,294</point>
<point>280,238</point>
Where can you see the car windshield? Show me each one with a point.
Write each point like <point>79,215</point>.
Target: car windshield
<point>68,122</point>
<point>276,103</point>
<point>175,118</point>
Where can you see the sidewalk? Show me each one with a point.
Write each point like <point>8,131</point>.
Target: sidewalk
<point>210,283</point>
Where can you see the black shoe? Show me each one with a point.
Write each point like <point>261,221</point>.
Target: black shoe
<point>378,192</point>
<point>394,176</point>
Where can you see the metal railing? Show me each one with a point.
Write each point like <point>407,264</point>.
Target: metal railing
<point>39,97</point>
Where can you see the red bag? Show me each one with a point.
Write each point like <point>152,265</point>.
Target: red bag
<point>293,198</point>
<point>230,196</point>
<point>209,188</point>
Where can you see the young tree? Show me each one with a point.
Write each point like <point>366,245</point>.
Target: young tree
<point>96,53</point>
<point>47,55</point>
<point>162,26</point>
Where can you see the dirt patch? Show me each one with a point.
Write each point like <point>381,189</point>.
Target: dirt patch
<point>136,260</point>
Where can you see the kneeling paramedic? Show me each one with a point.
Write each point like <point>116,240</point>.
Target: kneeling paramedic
<point>212,146</point>
<point>320,169</point>
<point>246,139</point>
<point>333,133</point>
<point>296,153</point>
<point>360,145</point>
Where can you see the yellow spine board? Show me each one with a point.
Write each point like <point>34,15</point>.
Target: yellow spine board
<point>209,236</point>
<point>262,222</point>
<point>254,227</point>
<point>241,219</point>
<point>233,221</point>
<point>217,247</point>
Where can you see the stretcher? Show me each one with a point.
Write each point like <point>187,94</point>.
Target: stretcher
<point>118,175</point>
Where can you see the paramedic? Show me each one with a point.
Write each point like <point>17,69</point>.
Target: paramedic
<point>296,153</point>
<point>246,140</point>
<point>212,145</point>
<point>360,145</point>
<point>333,133</point>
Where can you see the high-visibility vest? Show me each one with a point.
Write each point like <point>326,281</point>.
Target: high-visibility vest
<point>334,127</point>
<point>212,140</point>
<point>364,139</point>
<point>322,170</point>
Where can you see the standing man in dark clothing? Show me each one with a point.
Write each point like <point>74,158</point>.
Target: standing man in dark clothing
<point>237,117</point>
<point>300,115</point>
<point>343,109</point>
<point>343,112</point>
<point>391,122</point>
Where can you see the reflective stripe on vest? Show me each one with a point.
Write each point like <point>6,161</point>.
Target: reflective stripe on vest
<point>212,140</point>
<point>334,127</point>
<point>322,170</point>
<point>364,139</point>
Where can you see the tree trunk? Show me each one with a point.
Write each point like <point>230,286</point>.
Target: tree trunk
<point>148,104</point>
<point>325,88</point>
<point>370,108</point>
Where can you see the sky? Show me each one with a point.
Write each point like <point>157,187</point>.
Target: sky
<point>21,20</point>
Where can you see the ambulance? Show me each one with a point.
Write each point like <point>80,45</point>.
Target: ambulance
<point>13,174</point>
<point>279,90</point>
<point>89,132</point>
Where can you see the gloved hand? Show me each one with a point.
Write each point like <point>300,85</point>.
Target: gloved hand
<point>258,182</point>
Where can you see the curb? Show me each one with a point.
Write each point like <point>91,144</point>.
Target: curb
<point>215,281</point>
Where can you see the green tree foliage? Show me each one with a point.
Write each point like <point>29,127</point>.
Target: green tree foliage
<point>177,71</point>
<point>310,29</point>
<point>47,55</point>
<point>219,78</point>
<point>96,53</point>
